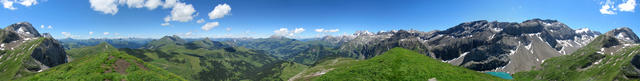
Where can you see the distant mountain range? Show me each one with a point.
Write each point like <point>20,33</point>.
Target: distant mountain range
<point>535,49</point>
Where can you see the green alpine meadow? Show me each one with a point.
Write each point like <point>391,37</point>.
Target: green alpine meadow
<point>319,40</point>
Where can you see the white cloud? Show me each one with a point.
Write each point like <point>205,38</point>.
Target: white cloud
<point>322,30</point>
<point>210,25</point>
<point>298,30</point>
<point>282,32</point>
<point>152,4</point>
<point>228,29</point>
<point>105,33</point>
<point>200,21</point>
<point>181,12</point>
<point>41,26</point>
<point>66,34</point>
<point>628,6</point>
<point>220,11</point>
<point>606,8</point>
<point>165,24</point>
<point>28,3</point>
<point>90,33</point>
<point>8,4</point>
<point>104,6</point>
<point>286,32</point>
<point>334,30</point>
<point>169,3</point>
<point>116,33</point>
<point>188,34</point>
<point>132,3</point>
<point>49,27</point>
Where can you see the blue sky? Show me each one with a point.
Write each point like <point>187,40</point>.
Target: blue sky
<point>300,18</point>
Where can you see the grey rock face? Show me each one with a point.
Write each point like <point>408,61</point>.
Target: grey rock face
<point>625,34</point>
<point>50,53</point>
<point>481,45</point>
<point>25,29</point>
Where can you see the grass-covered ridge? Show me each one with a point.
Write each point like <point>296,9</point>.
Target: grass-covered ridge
<point>400,64</point>
<point>110,64</point>
<point>586,64</point>
<point>12,62</point>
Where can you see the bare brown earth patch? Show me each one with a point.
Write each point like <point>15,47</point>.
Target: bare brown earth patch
<point>121,66</point>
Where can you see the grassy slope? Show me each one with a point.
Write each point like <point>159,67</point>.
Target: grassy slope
<point>12,61</point>
<point>215,64</point>
<point>322,65</point>
<point>303,52</point>
<point>96,67</point>
<point>403,64</point>
<point>572,67</point>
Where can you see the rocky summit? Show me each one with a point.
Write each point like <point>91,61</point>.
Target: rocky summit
<point>481,45</point>
<point>25,51</point>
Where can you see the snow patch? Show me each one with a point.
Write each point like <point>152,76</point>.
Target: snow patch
<point>20,30</point>
<point>491,37</point>
<point>623,37</point>
<point>601,51</point>
<point>562,51</point>
<point>511,52</point>
<point>528,46</point>
<point>496,29</point>
<point>546,24</point>
<point>461,55</point>
<point>597,62</point>
<point>582,30</point>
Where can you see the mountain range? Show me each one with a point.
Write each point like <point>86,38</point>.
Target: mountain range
<point>534,49</point>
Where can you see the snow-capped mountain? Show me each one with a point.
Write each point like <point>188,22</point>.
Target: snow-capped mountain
<point>481,45</point>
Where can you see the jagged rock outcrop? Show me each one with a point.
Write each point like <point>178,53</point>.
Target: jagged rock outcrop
<point>480,45</point>
<point>624,34</point>
<point>50,52</point>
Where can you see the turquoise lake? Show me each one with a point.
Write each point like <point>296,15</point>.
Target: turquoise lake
<point>501,75</point>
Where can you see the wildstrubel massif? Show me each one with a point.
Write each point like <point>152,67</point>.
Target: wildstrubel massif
<point>24,51</point>
<point>480,45</point>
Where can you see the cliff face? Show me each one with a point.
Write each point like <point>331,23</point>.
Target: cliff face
<point>25,51</point>
<point>50,53</point>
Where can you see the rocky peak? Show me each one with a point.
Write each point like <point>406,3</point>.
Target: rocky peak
<point>358,33</point>
<point>24,29</point>
<point>47,35</point>
<point>624,34</point>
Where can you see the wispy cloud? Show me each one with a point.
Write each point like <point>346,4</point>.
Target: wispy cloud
<point>286,32</point>
<point>66,34</point>
<point>8,4</point>
<point>209,26</point>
